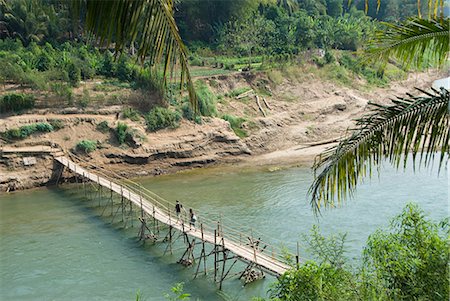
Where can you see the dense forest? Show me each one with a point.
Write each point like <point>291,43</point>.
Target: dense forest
<point>41,42</point>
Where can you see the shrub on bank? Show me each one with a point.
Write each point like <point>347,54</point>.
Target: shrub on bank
<point>103,126</point>
<point>121,132</point>
<point>27,130</point>
<point>206,99</point>
<point>86,146</point>
<point>16,102</point>
<point>131,114</point>
<point>160,118</point>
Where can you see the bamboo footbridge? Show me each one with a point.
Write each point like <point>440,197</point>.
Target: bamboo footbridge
<point>154,214</point>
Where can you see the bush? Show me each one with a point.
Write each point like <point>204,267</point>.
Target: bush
<point>16,102</point>
<point>206,99</point>
<point>85,99</point>
<point>107,64</point>
<point>27,130</point>
<point>124,71</point>
<point>409,261</point>
<point>86,146</point>
<point>103,127</point>
<point>74,74</point>
<point>187,111</point>
<point>13,134</point>
<point>44,127</point>
<point>412,257</point>
<point>160,118</point>
<point>131,114</point>
<point>314,281</point>
<point>57,124</point>
<point>121,132</point>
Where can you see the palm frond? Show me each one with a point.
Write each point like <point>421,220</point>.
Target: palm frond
<point>409,41</point>
<point>416,124</point>
<point>148,23</point>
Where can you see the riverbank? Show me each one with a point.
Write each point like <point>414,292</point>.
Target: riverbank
<point>301,118</point>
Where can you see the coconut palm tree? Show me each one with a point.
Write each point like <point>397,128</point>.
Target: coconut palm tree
<point>147,24</point>
<point>413,124</point>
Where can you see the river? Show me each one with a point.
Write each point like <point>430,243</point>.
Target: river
<point>57,246</point>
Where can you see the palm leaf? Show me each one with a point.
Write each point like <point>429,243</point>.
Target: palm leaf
<point>409,41</point>
<point>148,23</point>
<point>416,124</point>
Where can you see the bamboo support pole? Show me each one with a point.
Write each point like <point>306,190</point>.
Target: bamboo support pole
<point>215,256</point>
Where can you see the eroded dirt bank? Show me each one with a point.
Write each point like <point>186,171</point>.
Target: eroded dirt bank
<point>298,115</point>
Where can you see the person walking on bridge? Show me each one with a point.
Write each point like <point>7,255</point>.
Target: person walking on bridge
<point>192,218</point>
<point>178,207</point>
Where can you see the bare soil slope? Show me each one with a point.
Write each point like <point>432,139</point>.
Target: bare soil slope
<point>299,112</point>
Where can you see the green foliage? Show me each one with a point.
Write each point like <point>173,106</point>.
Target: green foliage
<point>131,114</point>
<point>237,91</point>
<point>236,125</point>
<point>74,74</point>
<point>177,293</point>
<point>411,258</point>
<point>124,71</point>
<point>103,126</point>
<point>85,99</point>
<point>121,132</point>
<point>16,102</point>
<point>408,261</point>
<point>160,118</point>
<point>44,127</point>
<point>327,249</point>
<point>86,146</point>
<point>409,41</point>
<point>206,99</point>
<point>326,279</point>
<point>314,281</point>
<point>27,130</point>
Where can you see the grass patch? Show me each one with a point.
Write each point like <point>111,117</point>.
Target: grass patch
<point>160,118</point>
<point>206,99</point>
<point>209,72</point>
<point>237,91</point>
<point>275,76</point>
<point>236,125</point>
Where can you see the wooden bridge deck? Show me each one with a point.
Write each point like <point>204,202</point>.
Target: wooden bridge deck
<point>246,252</point>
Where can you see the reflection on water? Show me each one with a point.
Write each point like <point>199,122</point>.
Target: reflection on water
<point>56,246</point>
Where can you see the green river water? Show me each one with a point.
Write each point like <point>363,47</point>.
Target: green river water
<point>57,246</point>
